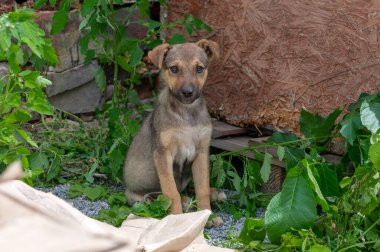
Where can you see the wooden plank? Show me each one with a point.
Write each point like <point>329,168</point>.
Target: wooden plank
<point>231,143</point>
<point>222,129</point>
<point>237,143</point>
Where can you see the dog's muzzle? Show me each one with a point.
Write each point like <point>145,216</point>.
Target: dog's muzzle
<point>187,94</point>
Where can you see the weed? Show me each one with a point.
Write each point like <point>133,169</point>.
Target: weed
<point>21,91</point>
<point>320,208</point>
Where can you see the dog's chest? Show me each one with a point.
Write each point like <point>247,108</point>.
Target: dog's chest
<point>186,141</point>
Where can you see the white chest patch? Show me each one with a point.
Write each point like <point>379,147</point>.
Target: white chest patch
<point>187,140</point>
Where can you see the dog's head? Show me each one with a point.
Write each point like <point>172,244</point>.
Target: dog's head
<point>184,67</point>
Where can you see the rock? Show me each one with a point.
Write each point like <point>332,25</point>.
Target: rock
<point>66,43</point>
<point>83,99</point>
<point>134,30</point>
<point>71,78</point>
<point>3,71</point>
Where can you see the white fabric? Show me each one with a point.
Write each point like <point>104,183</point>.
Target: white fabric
<point>31,220</point>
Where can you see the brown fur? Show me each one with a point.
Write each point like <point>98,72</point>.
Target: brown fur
<point>173,142</point>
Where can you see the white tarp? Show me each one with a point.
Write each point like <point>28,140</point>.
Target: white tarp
<point>31,220</point>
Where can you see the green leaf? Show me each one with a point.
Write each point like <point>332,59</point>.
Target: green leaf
<point>75,190</point>
<point>350,124</point>
<point>266,167</point>
<point>54,169</point>
<point>177,39</point>
<point>5,39</point>
<point>253,230</point>
<point>136,55</point>
<point>88,7</point>
<point>235,180</point>
<point>294,207</point>
<point>345,182</point>
<point>280,152</point>
<point>60,20</point>
<point>94,193</point>
<point>370,116</point>
<point>313,125</point>
<point>90,54</point>
<point>38,160</point>
<point>314,184</point>
<point>19,115</point>
<point>12,59</point>
<point>27,138</point>
<point>117,199</point>
<point>160,206</point>
<point>355,106</point>
<point>49,54</point>
<point>329,183</point>
<point>39,3</point>
<point>218,171</point>
<point>143,7</point>
<point>100,78</point>
<point>279,137</point>
<point>53,3</point>
<point>43,81</point>
<point>374,155</point>
<point>319,248</point>
<point>152,24</point>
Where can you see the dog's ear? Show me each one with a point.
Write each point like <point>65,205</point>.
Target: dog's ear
<point>211,48</point>
<point>157,55</point>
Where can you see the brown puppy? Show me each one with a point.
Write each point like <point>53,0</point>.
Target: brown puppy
<point>174,140</point>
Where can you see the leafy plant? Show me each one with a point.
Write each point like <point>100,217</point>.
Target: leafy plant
<point>21,90</point>
<point>119,211</point>
<point>349,211</point>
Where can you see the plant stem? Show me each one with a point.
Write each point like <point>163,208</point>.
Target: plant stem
<point>249,148</point>
<point>356,245</point>
<point>114,56</point>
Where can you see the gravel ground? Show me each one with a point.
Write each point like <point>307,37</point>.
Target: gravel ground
<point>231,227</point>
<point>218,236</point>
<point>87,207</point>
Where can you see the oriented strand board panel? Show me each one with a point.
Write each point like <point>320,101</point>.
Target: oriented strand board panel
<point>280,56</point>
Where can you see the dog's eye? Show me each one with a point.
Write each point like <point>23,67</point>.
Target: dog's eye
<point>199,69</point>
<point>174,69</point>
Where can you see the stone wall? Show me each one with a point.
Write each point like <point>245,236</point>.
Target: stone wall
<point>74,88</point>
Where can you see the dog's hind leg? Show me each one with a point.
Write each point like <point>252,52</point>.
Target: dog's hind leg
<point>133,197</point>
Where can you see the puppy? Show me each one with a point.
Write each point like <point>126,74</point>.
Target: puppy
<point>173,142</point>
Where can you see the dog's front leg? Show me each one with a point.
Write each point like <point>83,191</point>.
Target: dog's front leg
<point>202,184</point>
<point>164,165</point>
<point>201,179</point>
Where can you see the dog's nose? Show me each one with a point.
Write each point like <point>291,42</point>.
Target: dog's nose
<point>187,91</point>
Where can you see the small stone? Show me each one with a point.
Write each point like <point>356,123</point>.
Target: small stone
<point>83,99</point>
<point>4,71</point>
<point>71,78</point>
<point>66,42</point>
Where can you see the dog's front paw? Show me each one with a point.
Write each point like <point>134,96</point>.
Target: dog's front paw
<point>215,222</point>
<point>176,208</point>
<point>217,196</point>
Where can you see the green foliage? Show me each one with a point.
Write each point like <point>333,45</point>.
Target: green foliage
<point>370,115</point>
<point>224,175</point>
<point>265,169</point>
<point>253,229</point>
<point>294,207</point>
<point>350,215</point>
<point>119,211</point>
<point>21,91</point>
<point>317,127</point>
